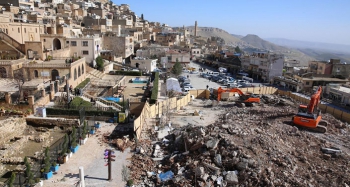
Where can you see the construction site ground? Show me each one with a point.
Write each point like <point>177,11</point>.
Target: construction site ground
<point>226,145</point>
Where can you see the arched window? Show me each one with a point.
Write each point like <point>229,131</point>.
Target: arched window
<point>79,72</point>
<point>82,69</point>
<point>36,73</point>
<point>75,74</point>
<point>18,30</point>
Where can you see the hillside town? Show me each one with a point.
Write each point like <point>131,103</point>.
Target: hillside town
<point>94,95</point>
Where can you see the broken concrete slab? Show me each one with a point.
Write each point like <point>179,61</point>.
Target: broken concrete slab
<point>231,177</point>
<point>212,144</point>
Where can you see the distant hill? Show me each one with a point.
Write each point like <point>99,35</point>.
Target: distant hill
<point>250,43</point>
<point>310,45</point>
<point>319,54</point>
<point>256,41</point>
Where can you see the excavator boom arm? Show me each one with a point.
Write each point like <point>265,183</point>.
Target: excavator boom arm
<point>220,90</point>
<point>314,100</point>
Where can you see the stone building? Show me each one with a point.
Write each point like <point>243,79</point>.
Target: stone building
<point>120,45</point>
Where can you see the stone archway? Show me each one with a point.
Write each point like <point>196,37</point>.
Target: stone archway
<point>3,73</point>
<point>56,44</point>
<point>79,71</point>
<point>36,74</point>
<point>54,74</point>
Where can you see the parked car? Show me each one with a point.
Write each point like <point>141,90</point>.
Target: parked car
<point>189,87</point>
<point>215,78</point>
<point>206,76</point>
<point>157,70</point>
<point>186,84</point>
<point>221,80</point>
<point>229,83</point>
<point>241,81</point>
<point>194,72</point>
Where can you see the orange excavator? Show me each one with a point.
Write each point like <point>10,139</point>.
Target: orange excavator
<point>245,99</point>
<point>306,116</point>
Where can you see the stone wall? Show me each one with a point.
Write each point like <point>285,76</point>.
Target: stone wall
<point>41,102</point>
<point>10,128</point>
<point>51,122</point>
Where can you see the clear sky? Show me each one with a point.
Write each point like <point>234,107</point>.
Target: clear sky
<point>306,20</point>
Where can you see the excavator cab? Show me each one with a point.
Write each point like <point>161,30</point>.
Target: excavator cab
<point>302,109</point>
<point>244,99</point>
<point>308,116</point>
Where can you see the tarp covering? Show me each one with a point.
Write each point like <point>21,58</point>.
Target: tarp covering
<point>173,84</point>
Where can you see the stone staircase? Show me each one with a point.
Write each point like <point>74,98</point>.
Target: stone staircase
<point>98,103</point>
<point>102,102</point>
<point>95,74</point>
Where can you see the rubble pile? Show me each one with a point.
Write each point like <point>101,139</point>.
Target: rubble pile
<point>247,147</point>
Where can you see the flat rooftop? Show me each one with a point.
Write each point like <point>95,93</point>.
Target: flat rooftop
<point>325,79</point>
<point>343,89</point>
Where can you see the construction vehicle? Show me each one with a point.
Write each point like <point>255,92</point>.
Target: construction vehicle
<point>244,99</point>
<point>308,118</point>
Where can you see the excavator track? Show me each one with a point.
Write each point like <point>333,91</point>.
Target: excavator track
<point>240,104</point>
<point>321,127</point>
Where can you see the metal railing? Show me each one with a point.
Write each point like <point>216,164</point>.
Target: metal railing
<point>89,108</point>
<point>108,103</point>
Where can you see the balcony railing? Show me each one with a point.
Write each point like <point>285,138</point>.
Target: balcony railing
<point>50,65</point>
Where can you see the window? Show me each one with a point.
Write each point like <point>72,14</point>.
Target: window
<point>25,30</point>
<point>85,43</point>
<point>73,43</point>
<point>307,83</point>
<point>18,30</point>
<point>67,42</point>
<point>44,40</point>
<point>36,30</point>
<point>85,52</point>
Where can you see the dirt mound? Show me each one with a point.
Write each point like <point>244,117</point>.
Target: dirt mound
<point>251,147</point>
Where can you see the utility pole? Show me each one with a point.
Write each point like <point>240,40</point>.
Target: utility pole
<point>109,155</point>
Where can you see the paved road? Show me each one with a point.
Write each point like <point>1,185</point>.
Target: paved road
<point>90,156</point>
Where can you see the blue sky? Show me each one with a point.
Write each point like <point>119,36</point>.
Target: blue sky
<point>307,20</point>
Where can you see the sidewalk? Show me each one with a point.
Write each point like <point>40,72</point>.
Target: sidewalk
<point>91,157</point>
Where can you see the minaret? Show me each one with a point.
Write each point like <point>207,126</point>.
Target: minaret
<point>195,28</point>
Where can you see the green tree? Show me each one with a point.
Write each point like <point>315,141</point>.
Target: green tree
<point>47,160</point>
<point>99,62</point>
<point>238,50</point>
<point>85,130</point>
<point>74,137</point>
<point>177,68</point>
<point>65,145</point>
<point>12,179</point>
<point>26,163</point>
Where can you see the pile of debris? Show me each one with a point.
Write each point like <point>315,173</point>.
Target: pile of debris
<point>249,147</point>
